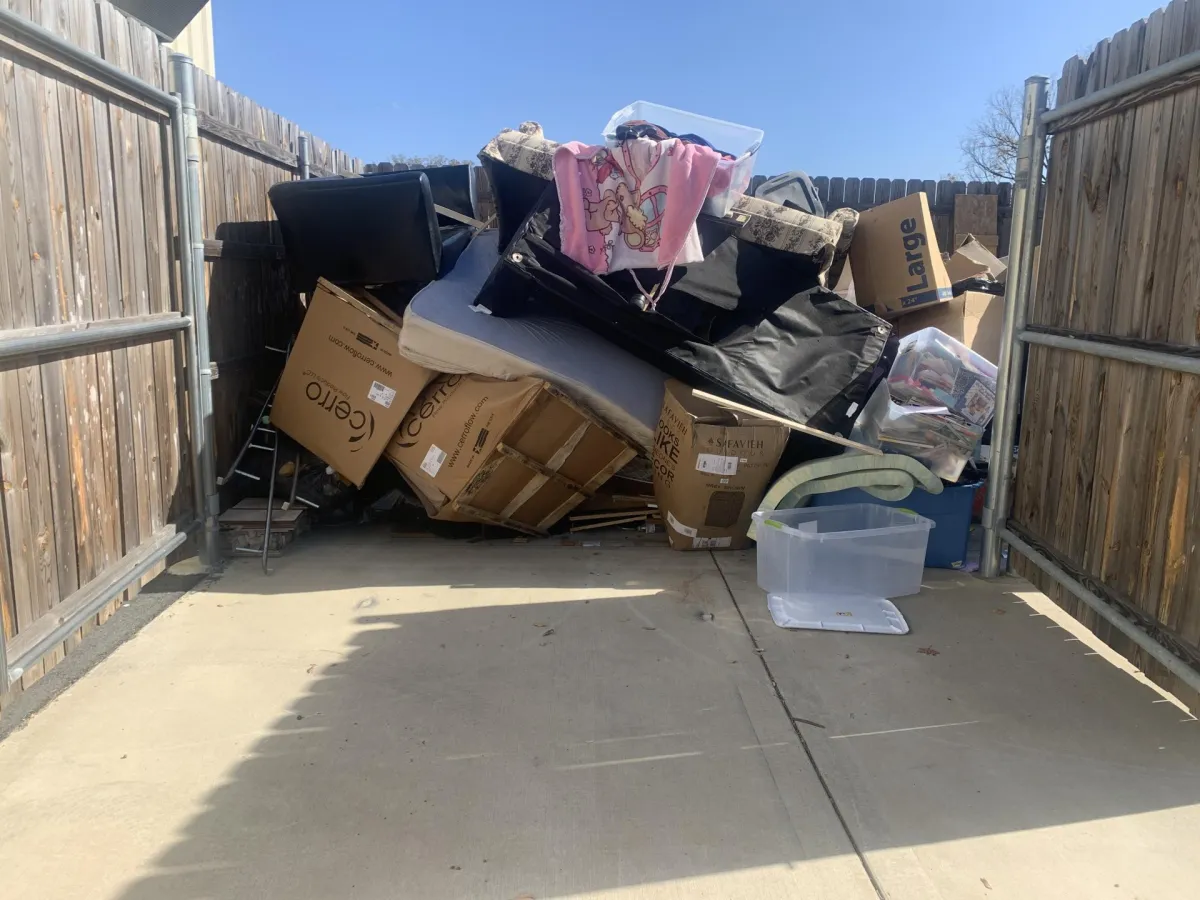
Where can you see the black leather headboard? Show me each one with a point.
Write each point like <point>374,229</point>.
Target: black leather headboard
<point>357,231</point>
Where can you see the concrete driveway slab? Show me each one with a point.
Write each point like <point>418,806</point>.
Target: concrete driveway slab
<point>990,752</point>
<point>420,718</point>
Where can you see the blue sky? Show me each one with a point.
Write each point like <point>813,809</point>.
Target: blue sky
<point>849,87</point>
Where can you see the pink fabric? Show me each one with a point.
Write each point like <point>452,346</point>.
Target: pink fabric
<point>633,205</point>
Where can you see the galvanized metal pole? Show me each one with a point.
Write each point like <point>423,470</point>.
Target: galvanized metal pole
<point>1174,362</point>
<point>302,157</point>
<point>187,290</point>
<point>93,65</point>
<point>1026,191</point>
<point>187,155</point>
<point>33,342</point>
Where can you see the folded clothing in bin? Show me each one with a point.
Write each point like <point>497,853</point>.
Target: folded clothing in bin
<point>442,332</point>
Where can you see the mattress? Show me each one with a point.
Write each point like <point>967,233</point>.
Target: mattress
<point>442,332</point>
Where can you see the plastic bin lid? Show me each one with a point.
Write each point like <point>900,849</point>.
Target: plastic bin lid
<point>836,612</point>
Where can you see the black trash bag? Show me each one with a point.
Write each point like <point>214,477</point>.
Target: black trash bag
<point>749,323</point>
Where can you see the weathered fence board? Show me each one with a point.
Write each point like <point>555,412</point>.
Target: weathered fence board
<point>950,218</point>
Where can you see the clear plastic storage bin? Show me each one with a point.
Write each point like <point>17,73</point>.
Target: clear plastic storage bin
<point>860,549</point>
<point>727,137</point>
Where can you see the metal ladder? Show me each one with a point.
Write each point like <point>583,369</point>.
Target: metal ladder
<point>264,438</point>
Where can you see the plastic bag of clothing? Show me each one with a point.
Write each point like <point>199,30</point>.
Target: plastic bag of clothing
<point>932,435</point>
<point>748,322</point>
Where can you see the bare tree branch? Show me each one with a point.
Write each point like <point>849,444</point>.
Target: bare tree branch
<point>990,148</point>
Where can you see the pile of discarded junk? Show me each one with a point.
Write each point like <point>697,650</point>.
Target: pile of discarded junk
<point>640,335</point>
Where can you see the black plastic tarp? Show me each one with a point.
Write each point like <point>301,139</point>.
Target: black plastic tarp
<point>749,323</point>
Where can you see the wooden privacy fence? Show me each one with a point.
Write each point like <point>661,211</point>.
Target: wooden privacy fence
<point>95,439</point>
<point>1107,482</point>
<point>959,208</point>
<point>244,150</point>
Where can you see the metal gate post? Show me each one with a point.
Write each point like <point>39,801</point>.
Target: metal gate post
<point>1026,192</point>
<point>187,162</point>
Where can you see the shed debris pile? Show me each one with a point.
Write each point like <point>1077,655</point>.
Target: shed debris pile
<point>635,332</point>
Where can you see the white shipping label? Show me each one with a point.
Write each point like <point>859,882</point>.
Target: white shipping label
<point>679,526</point>
<point>699,543</point>
<point>717,465</point>
<point>381,394</point>
<point>432,463</point>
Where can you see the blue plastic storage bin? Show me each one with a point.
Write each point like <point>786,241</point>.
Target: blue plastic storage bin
<point>951,510</point>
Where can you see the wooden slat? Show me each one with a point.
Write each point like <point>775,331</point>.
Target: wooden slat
<point>976,214</point>
<point>164,443</point>
<point>1169,524</point>
<point>821,183</point>
<point>866,193</point>
<point>229,134</point>
<point>104,283</point>
<point>43,391</point>
<point>1117,508</point>
<point>852,189</point>
<point>83,446</point>
<point>837,192</point>
<point>1031,506</point>
<point>130,369</point>
<point>19,578</point>
<point>942,196</point>
<point>1089,376</point>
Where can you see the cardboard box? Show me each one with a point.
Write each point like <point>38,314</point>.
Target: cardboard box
<point>973,260</point>
<point>345,387</point>
<point>974,319</point>
<point>896,260</point>
<point>711,469</point>
<point>515,453</point>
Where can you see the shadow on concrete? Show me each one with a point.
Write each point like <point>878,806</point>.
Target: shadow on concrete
<point>537,750</point>
<point>556,748</point>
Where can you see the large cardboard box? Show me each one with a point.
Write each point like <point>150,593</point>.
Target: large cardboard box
<point>896,260</point>
<point>974,319</point>
<point>711,469</point>
<point>515,453</point>
<point>345,387</point>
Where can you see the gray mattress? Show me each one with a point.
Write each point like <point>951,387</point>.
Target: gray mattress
<point>442,332</point>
